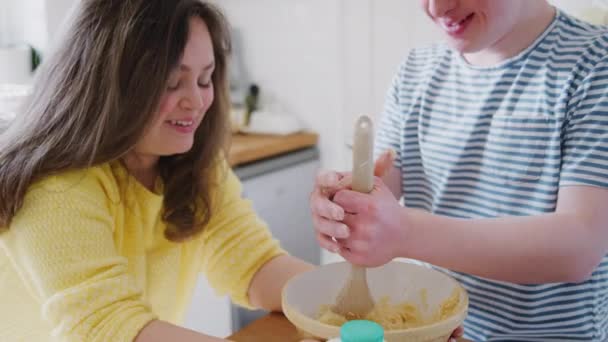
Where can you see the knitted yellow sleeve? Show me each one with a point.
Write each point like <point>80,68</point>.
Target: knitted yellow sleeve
<point>62,245</point>
<point>237,243</point>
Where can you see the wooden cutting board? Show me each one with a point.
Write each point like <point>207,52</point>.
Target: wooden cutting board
<point>271,328</point>
<point>246,148</point>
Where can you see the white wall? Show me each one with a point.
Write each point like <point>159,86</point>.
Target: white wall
<point>57,12</point>
<point>572,6</point>
<point>290,51</point>
<point>326,61</point>
<point>23,21</point>
<point>208,313</point>
<point>35,22</point>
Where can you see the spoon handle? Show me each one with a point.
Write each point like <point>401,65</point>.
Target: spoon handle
<point>363,150</point>
<point>358,273</point>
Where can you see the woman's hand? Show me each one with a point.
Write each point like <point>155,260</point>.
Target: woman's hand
<point>364,228</point>
<point>327,216</point>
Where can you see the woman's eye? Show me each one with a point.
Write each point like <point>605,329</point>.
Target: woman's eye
<point>173,85</point>
<point>204,84</point>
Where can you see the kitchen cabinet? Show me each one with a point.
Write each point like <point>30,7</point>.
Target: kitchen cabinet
<point>279,188</point>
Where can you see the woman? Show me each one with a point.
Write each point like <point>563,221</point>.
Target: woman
<point>500,137</point>
<point>114,189</point>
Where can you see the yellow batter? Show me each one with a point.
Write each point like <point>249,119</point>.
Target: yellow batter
<point>393,317</point>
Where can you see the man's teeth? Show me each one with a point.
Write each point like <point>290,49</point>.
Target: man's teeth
<point>451,26</point>
<point>181,123</point>
<point>454,24</point>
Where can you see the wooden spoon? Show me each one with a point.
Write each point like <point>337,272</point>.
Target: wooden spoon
<point>354,300</point>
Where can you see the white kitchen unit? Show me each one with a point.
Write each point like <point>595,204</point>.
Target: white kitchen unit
<point>279,188</point>
<point>208,312</point>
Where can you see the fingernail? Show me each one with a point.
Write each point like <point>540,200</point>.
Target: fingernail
<point>343,231</point>
<point>343,182</point>
<point>452,340</point>
<point>338,215</point>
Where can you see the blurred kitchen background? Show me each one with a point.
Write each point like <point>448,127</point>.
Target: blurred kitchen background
<point>316,66</point>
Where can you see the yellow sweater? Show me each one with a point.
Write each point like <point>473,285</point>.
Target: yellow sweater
<point>85,258</point>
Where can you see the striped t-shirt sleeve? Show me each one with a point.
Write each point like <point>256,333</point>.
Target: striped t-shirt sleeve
<point>585,146</point>
<point>389,126</point>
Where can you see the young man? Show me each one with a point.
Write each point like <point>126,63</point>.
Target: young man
<point>501,141</point>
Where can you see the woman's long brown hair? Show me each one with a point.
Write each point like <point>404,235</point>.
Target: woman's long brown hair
<point>95,95</point>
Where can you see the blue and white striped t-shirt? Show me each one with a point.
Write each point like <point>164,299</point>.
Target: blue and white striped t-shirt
<point>475,142</point>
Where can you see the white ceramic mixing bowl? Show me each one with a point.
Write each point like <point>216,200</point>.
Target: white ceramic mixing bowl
<point>399,281</point>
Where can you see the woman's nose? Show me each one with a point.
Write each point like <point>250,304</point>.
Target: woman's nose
<point>193,99</point>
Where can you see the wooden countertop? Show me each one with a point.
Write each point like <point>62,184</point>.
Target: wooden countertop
<point>271,328</point>
<point>247,148</point>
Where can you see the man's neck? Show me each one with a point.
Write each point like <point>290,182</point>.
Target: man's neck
<point>524,34</point>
